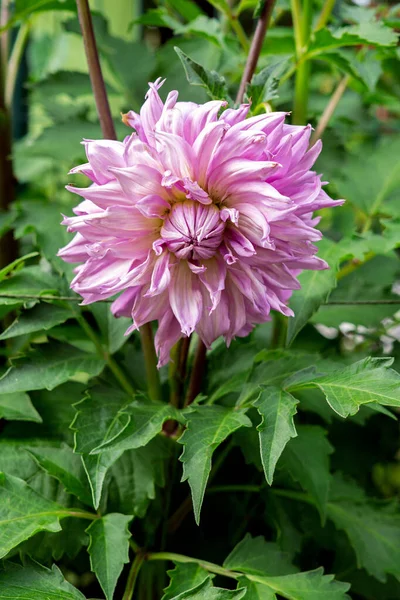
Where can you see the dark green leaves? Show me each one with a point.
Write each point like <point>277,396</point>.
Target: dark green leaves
<point>277,409</point>
<point>48,367</point>
<point>206,591</point>
<point>23,513</point>
<point>258,557</point>
<point>213,83</point>
<point>264,86</point>
<point>183,578</point>
<point>18,407</point>
<point>40,318</point>
<point>109,549</point>
<point>36,583</point>
<point>207,428</point>
<point>369,380</point>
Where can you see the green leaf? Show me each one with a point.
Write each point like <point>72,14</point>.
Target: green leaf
<point>316,287</point>
<point>112,328</point>
<point>40,318</point>
<point>277,408</point>
<point>106,403</point>
<point>206,591</point>
<point>18,407</point>
<point>368,380</point>
<point>373,529</point>
<point>374,33</point>
<point>36,583</point>
<point>65,466</point>
<point>145,421</point>
<point>183,578</point>
<point>16,265</point>
<point>30,281</point>
<point>310,585</point>
<point>264,85</point>
<point>306,458</point>
<point>255,591</point>
<point>369,183</point>
<point>25,8</point>
<point>135,475</point>
<point>109,549</point>
<point>23,513</point>
<point>207,428</point>
<point>96,468</point>
<point>213,83</point>
<point>48,367</point>
<point>258,557</point>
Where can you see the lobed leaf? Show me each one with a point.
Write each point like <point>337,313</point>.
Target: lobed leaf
<point>207,428</point>
<point>18,407</point>
<point>258,557</point>
<point>213,83</point>
<point>183,578</point>
<point>109,549</point>
<point>35,582</point>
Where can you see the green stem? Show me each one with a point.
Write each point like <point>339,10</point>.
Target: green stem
<point>301,87</point>
<point>329,110</point>
<point>112,364</point>
<point>296,17</point>
<point>353,265</point>
<point>279,332</point>
<point>240,32</point>
<point>135,546</point>
<point>180,558</point>
<point>234,488</point>
<point>293,495</point>
<point>325,14</point>
<point>5,36</point>
<point>150,359</point>
<point>301,16</point>
<point>77,514</point>
<point>14,63</point>
<point>132,577</point>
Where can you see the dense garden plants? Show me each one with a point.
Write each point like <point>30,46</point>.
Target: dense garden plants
<point>200,300</point>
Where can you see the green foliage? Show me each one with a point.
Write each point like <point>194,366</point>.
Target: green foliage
<point>37,581</point>
<point>207,427</point>
<point>213,83</point>
<point>109,549</point>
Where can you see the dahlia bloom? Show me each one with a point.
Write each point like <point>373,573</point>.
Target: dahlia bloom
<point>201,218</point>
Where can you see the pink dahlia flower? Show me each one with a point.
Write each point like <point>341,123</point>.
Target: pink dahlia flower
<point>201,218</point>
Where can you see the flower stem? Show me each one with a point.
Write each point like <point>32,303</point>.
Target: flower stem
<point>241,34</point>
<point>14,63</point>
<point>329,110</point>
<point>255,48</point>
<point>95,73</point>
<point>108,129</point>
<point>112,364</point>
<point>133,575</point>
<point>197,375</point>
<point>5,36</point>
<point>177,370</point>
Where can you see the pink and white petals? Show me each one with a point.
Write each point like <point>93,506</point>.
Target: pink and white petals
<point>201,219</point>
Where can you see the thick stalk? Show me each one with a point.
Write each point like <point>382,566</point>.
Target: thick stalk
<point>14,63</point>
<point>198,371</point>
<point>177,370</point>
<point>5,36</point>
<point>108,129</point>
<point>8,245</point>
<point>301,16</point>
<point>255,48</point>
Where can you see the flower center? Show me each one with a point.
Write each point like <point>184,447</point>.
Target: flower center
<point>193,230</point>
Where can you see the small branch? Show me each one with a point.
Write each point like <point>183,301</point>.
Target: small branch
<point>353,265</point>
<point>255,48</point>
<point>112,364</point>
<point>150,359</point>
<point>342,273</point>
<point>180,558</point>
<point>329,110</point>
<point>325,14</point>
<point>14,64</point>
<point>197,375</point>
<point>133,575</point>
<point>95,73</point>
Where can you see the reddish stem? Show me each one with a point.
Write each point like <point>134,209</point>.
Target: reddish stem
<point>198,371</point>
<point>255,48</point>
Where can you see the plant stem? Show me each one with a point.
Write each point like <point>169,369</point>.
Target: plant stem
<point>78,514</point>
<point>197,375</point>
<point>279,332</point>
<point>5,36</point>
<point>14,63</point>
<point>108,129</point>
<point>353,265</point>
<point>150,359</point>
<point>208,566</point>
<point>234,489</point>
<point>325,14</point>
<point>302,25</point>
<point>240,32</point>
<point>95,73</point>
<point>329,110</point>
<point>8,245</point>
<point>133,575</point>
<point>112,364</point>
<point>293,495</point>
<point>177,370</point>
<point>255,48</point>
